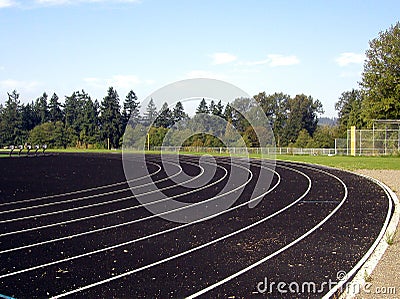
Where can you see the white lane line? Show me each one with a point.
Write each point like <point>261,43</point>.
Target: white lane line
<point>107,213</point>
<point>195,248</point>
<point>106,202</point>
<point>152,235</point>
<point>95,195</point>
<point>391,197</point>
<point>83,190</point>
<point>302,237</point>
<point>104,228</point>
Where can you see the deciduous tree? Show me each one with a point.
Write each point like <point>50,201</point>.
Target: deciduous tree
<point>381,76</point>
<point>349,109</point>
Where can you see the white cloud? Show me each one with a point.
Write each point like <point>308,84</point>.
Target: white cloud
<point>347,58</point>
<point>257,62</point>
<point>274,60</point>
<point>204,74</point>
<point>223,58</point>
<point>7,3</point>
<point>15,84</point>
<point>281,60</point>
<point>117,81</point>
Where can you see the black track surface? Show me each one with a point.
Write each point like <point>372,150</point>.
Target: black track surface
<point>34,266</point>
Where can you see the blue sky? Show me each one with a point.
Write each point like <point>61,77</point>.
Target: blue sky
<point>311,47</point>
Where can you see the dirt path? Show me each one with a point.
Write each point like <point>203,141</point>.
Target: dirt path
<point>385,279</point>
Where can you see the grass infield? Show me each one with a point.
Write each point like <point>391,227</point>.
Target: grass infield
<point>348,162</point>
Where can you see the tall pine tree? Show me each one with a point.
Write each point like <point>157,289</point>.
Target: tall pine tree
<point>165,117</point>
<point>55,111</point>
<point>151,113</point>
<point>202,108</point>
<point>110,119</point>
<point>217,109</point>
<point>179,113</point>
<point>89,133</point>
<point>131,113</point>
<point>41,108</point>
<point>11,121</point>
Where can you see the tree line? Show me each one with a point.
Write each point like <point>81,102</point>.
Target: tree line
<point>82,122</point>
<point>85,123</point>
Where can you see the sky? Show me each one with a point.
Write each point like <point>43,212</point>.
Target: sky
<point>311,47</point>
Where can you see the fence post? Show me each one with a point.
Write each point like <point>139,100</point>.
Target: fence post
<point>385,140</point>
<point>373,138</point>
<point>353,140</point>
<point>398,140</point>
<point>335,146</point>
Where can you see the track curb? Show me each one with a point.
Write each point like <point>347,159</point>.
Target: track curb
<point>355,282</point>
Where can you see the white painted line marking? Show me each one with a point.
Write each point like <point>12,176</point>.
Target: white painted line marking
<point>263,260</point>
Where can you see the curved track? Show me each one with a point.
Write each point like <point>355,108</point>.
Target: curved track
<point>70,226</point>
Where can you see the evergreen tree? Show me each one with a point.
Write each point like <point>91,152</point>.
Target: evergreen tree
<point>228,113</point>
<point>217,109</point>
<point>11,121</point>
<point>96,106</point>
<point>151,113</point>
<point>55,111</point>
<point>179,113</point>
<point>29,117</point>
<point>203,108</point>
<point>74,116</point>
<point>89,127</point>
<point>41,108</point>
<point>110,118</point>
<point>71,111</point>
<point>130,113</point>
<point>212,106</point>
<point>165,117</point>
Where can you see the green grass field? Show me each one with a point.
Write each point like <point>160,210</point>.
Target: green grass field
<point>343,162</point>
<point>348,162</point>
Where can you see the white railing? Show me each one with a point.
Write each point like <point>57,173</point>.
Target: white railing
<point>243,150</point>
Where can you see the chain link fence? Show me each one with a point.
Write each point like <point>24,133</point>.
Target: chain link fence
<point>372,142</point>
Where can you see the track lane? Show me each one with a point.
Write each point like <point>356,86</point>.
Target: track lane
<point>114,246</point>
<point>233,220</point>
<point>87,232</point>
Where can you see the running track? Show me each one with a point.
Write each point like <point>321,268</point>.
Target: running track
<point>71,227</point>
